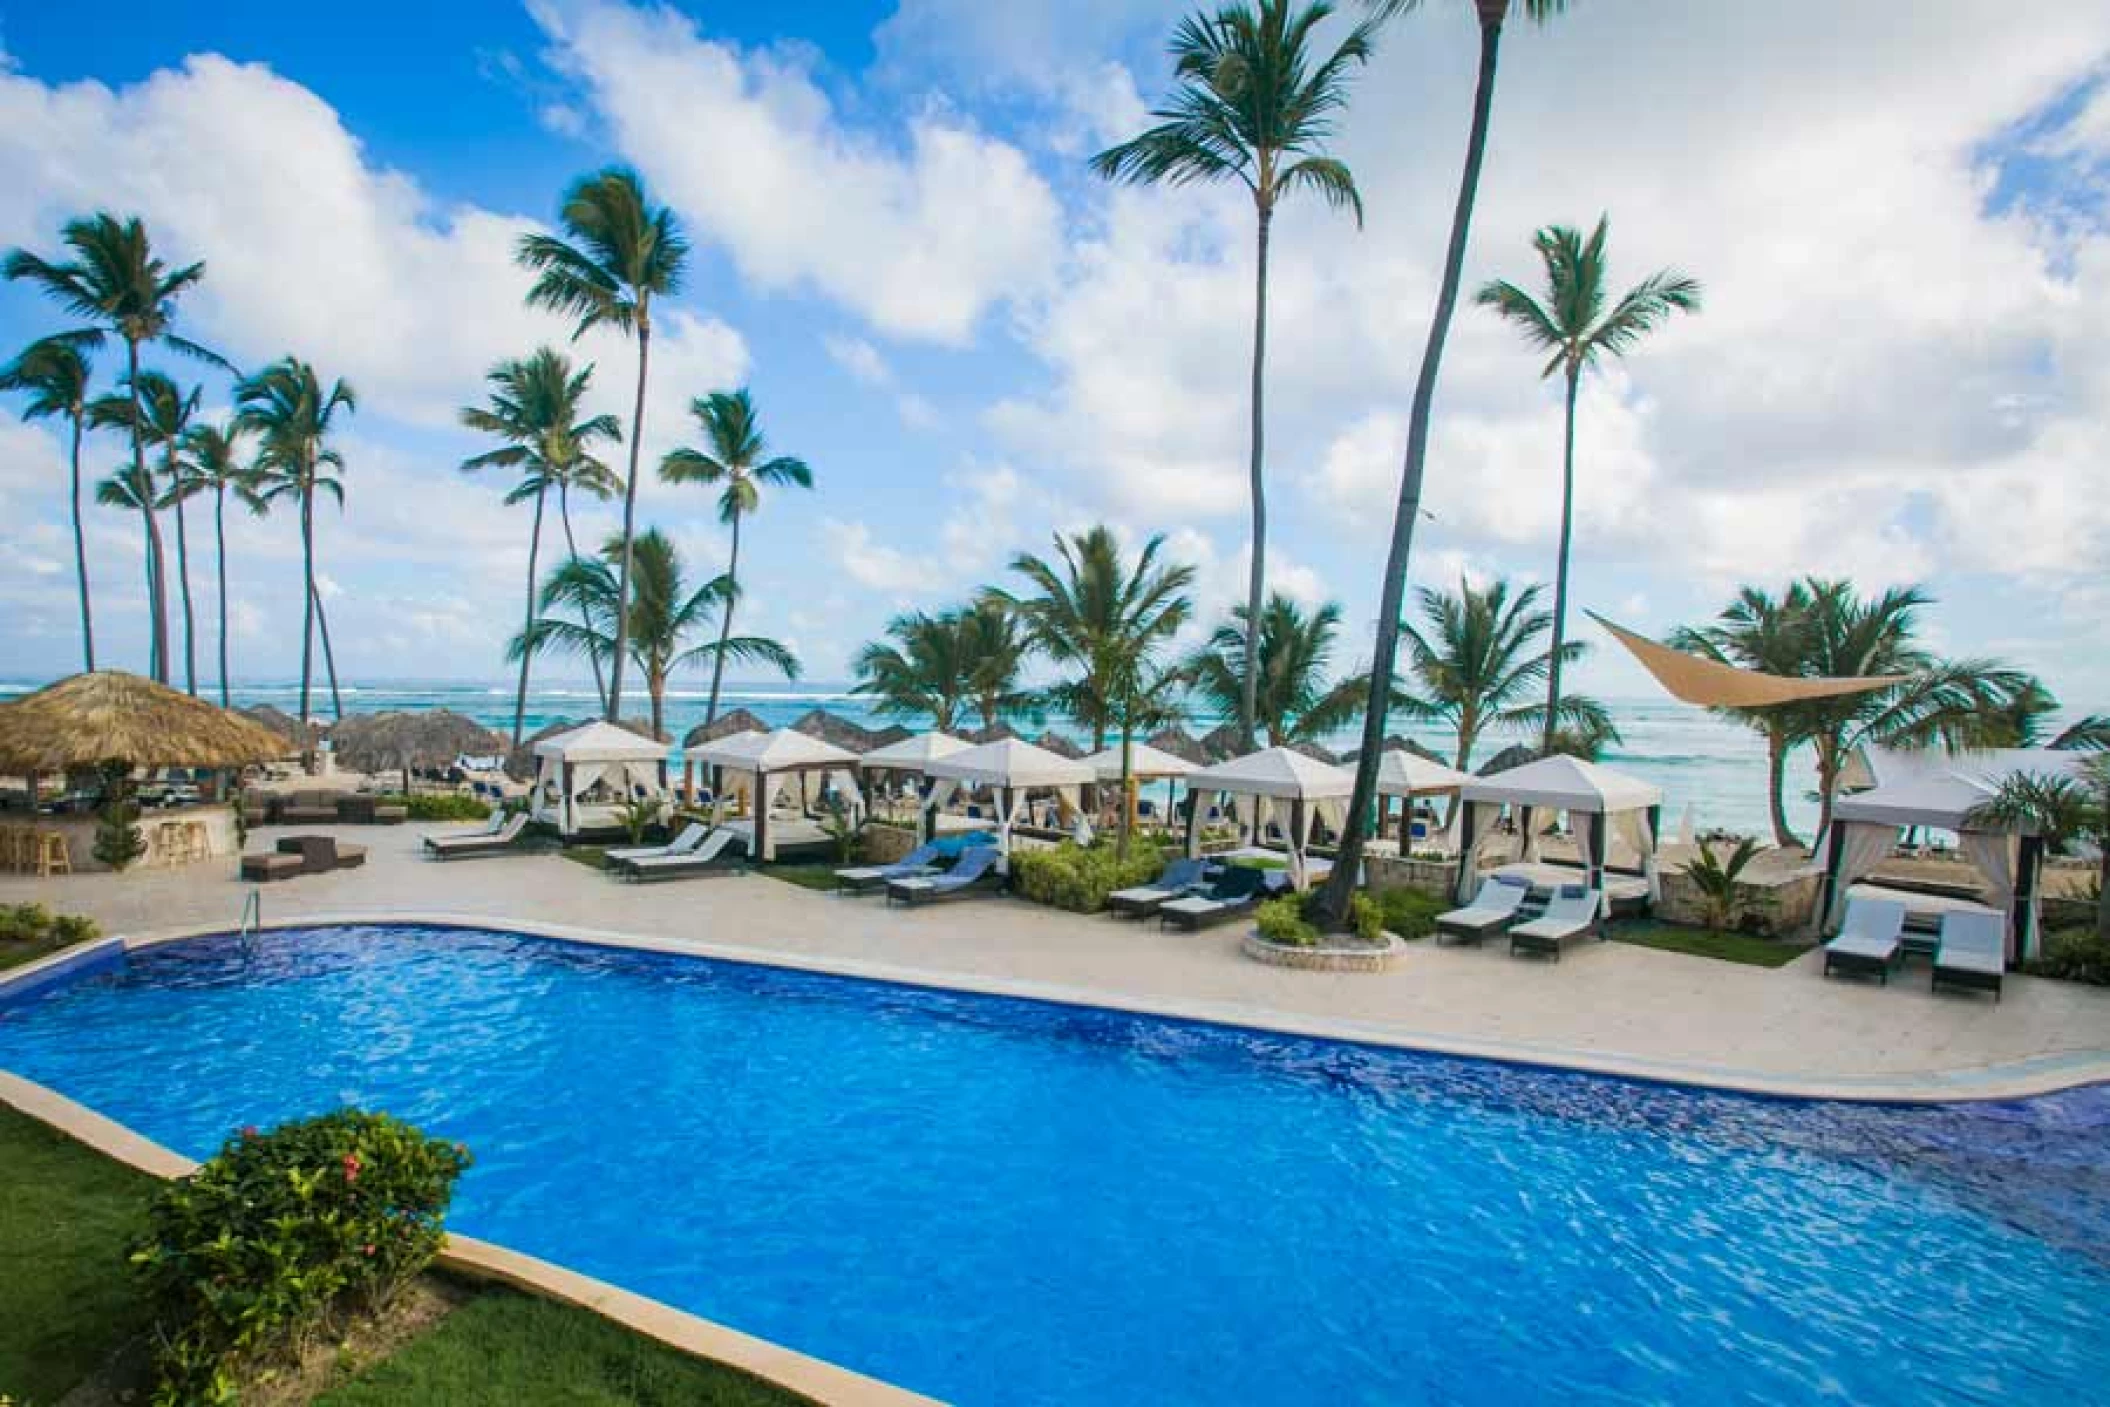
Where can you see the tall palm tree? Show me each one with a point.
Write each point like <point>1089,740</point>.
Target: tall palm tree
<point>1769,634</point>
<point>54,374</point>
<point>120,287</point>
<point>736,466</point>
<point>622,252</point>
<point>1392,596</point>
<point>1105,620</point>
<point>1576,327</point>
<point>1295,702</point>
<point>664,616</point>
<point>1251,106</point>
<point>534,408</point>
<point>287,409</point>
<point>134,489</point>
<point>2026,718</point>
<point>163,412</point>
<point>1480,662</point>
<point>212,463</point>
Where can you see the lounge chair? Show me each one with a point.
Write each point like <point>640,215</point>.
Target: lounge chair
<point>1238,890</point>
<point>862,879</point>
<point>1495,905</point>
<point>708,858</point>
<point>976,872</point>
<point>1972,952</point>
<point>1179,877</point>
<point>1572,912</point>
<point>691,836</point>
<point>497,838</point>
<point>1870,941</point>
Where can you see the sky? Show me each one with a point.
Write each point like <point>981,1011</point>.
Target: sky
<point>1900,217</point>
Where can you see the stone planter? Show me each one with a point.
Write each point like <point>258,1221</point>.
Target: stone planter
<point>1437,877</point>
<point>1325,958</point>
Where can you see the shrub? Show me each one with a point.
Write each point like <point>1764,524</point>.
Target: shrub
<point>282,1231</point>
<point>1079,877</point>
<point>1282,921</point>
<point>2074,955</point>
<point>1409,913</point>
<point>1717,881</point>
<point>441,806</point>
<point>33,923</point>
<point>118,841</point>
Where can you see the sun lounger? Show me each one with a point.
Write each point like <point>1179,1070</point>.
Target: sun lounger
<point>1972,952</point>
<point>861,879</point>
<point>1180,877</point>
<point>1573,911</point>
<point>976,872</point>
<point>498,838</point>
<point>1869,942</point>
<point>691,836</point>
<point>1495,905</point>
<point>1238,890</point>
<point>708,858</point>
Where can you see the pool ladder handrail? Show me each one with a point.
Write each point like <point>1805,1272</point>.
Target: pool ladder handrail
<point>252,919</point>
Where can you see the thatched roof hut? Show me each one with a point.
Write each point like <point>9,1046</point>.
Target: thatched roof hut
<point>1316,752</point>
<point>284,724</point>
<point>889,735</point>
<point>111,716</point>
<point>403,741</point>
<point>740,720</point>
<point>1397,743</point>
<point>1059,745</point>
<point>995,733</point>
<point>830,728</point>
<point>1515,755</point>
<point>1221,742</point>
<point>1181,744</point>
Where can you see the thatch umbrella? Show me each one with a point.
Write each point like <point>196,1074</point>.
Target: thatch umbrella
<point>1059,745</point>
<point>829,728</point>
<point>1515,755</point>
<point>1397,743</point>
<point>284,724</point>
<point>889,735</point>
<point>1316,752</point>
<point>110,717</point>
<point>1222,743</point>
<point>995,733</point>
<point>1181,744</point>
<point>740,720</point>
<point>403,741</point>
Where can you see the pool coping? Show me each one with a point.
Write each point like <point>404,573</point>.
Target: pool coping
<point>2021,1079</point>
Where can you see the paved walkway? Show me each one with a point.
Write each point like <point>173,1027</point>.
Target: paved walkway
<point>1609,1006</point>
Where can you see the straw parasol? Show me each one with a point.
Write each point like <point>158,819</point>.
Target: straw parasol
<point>284,724</point>
<point>995,733</point>
<point>1059,745</point>
<point>740,720</point>
<point>1181,744</point>
<point>110,716</point>
<point>1316,753</point>
<point>835,730</point>
<point>407,741</point>
<point>1397,743</point>
<point>889,735</point>
<point>1515,755</point>
<point>1221,743</point>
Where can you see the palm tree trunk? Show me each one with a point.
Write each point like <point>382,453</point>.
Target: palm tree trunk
<point>1828,760</point>
<point>571,548</point>
<point>656,686</point>
<point>528,628</point>
<point>329,657</point>
<point>1776,788</point>
<point>1256,568</point>
<point>307,576</point>
<point>1126,794</point>
<point>1560,570</point>
<point>80,554</point>
<point>725,625</point>
<point>158,605</point>
<point>190,621</point>
<point>1341,884</point>
<point>622,586</point>
<point>219,529</point>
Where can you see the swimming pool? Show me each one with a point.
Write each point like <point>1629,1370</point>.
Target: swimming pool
<point>998,1201</point>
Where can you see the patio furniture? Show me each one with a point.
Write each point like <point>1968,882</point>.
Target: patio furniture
<point>975,873</point>
<point>501,836</point>
<point>862,879</point>
<point>303,854</point>
<point>1574,911</point>
<point>708,858</point>
<point>1178,879</point>
<point>1972,953</point>
<point>691,836</point>
<point>1497,903</point>
<point>1869,942</point>
<point>51,855</point>
<point>1238,890</point>
<point>308,808</point>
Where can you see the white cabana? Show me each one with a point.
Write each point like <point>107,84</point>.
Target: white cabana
<point>782,766</point>
<point>907,758</point>
<point>585,776</point>
<point>1009,768</point>
<point>1408,775</point>
<point>1602,806</point>
<point>1260,783</point>
<point>1939,790</point>
<point>1145,764</point>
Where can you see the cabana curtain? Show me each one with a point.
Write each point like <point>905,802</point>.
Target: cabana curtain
<point>1632,828</point>
<point>1993,853</point>
<point>1862,846</point>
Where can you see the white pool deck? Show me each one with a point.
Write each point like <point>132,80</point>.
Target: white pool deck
<point>1609,1007</point>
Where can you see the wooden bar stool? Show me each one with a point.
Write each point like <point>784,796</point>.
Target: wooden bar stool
<point>52,856</point>
<point>197,845</point>
<point>10,848</point>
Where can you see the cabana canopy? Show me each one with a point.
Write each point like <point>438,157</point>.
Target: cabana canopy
<point>1276,774</point>
<point>913,754</point>
<point>1403,773</point>
<point>785,750</point>
<point>585,776</point>
<point>1599,801</point>
<point>1008,767</point>
<point>760,763</point>
<point>1145,763</point>
<point>1712,684</point>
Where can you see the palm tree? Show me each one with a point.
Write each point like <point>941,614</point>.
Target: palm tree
<point>1105,620</point>
<point>133,488</point>
<point>1574,324</point>
<point>1392,597</point>
<point>1294,703</point>
<point>664,616</point>
<point>2061,810</point>
<point>920,672</point>
<point>735,464</point>
<point>1771,635</point>
<point>2025,719</point>
<point>163,414</point>
<point>1480,664</point>
<point>54,373</point>
<point>286,408</point>
<point>117,284</point>
<point>992,654</point>
<point>212,463</point>
<point>534,408</point>
<point>1250,106</point>
<point>623,251</point>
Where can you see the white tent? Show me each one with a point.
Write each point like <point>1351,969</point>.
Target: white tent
<point>1269,777</point>
<point>1145,763</point>
<point>1009,767</point>
<point>1406,775</point>
<point>912,754</point>
<point>584,776</point>
<point>1600,804</point>
<point>765,765</point>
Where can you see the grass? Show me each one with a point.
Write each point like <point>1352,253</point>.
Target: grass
<point>594,857</point>
<point>1745,948</point>
<point>811,875</point>
<point>15,952</point>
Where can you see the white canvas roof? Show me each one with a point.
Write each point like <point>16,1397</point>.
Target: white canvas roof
<point>1933,788</point>
<point>600,742</point>
<point>912,754</point>
<point>1566,784</point>
<point>785,750</point>
<point>1010,762</point>
<point>1403,773</point>
<point>1277,772</point>
<point>1144,762</point>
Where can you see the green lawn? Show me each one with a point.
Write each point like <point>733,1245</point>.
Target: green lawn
<point>1706,943</point>
<point>67,1305</point>
<point>812,875</point>
<point>594,857</point>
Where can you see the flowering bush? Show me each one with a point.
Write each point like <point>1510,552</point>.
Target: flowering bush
<point>1079,877</point>
<point>280,1232</point>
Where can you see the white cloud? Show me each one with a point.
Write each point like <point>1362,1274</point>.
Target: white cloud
<point>874,564</point>
<point>860,358</point>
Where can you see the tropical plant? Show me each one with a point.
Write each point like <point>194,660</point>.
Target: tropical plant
<point>1771,635</point>
<point>638,814</point>
<point>621,253</point>
<point>120,287</point>
<point>1294,702</point>
<point>157,413</point>
<point>1576,327</point>
<point>118,841</point>
<point>992,655</point>
<point>2061,810</point>
<point>1719,880</point>
<point>734,464</point>
<point>941,666</point>
<point>664,615</point>
<point>2024,721</point>
<point>1392,597</point>
<point>1253,104</point>
<point>843,826</point>
<point>535,409</point>
<point>1480,662</point>
<point>287,409</point>
<point>1079,877</point>
<point>212,463</point>
<point>54,374</point>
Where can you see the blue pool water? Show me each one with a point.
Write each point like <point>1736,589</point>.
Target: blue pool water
<point>1002,1202</point>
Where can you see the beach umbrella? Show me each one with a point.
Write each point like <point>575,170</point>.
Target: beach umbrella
<point>1179,743</point>
<point>725,725</point>
<point>109,717</point>
<point>1222,743</point>
<point>1059,745</point>
<point>996,733</point>
<point>406,741</point>
<point>835,730</point>
<point>300,736</point>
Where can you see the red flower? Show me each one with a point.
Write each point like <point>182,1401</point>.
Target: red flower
<point>351,1167</point>
<point>369,1248</point>
<point>249,1130</point>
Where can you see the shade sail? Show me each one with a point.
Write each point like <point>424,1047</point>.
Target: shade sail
<point>1712,684</point>
<point>112,716</point>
